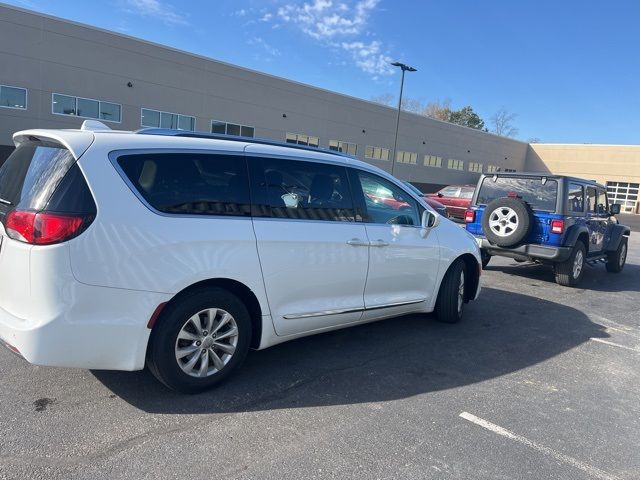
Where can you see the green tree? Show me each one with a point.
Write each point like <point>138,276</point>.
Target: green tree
<point>467,118</point>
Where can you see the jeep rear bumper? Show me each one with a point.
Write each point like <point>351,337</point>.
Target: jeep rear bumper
<point>528,251</point>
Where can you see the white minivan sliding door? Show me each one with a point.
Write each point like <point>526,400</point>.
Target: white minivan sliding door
<point>313,251</point>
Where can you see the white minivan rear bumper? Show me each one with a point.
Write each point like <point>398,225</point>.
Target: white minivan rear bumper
<point>94,328</point>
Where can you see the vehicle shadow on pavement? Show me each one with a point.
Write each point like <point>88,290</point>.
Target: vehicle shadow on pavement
<point>501,333</point>
<point>595,277</point>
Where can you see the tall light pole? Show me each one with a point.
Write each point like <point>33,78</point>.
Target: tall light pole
<point>404,68</point>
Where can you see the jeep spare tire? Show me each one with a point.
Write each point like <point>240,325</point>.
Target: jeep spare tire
<point>507,221</point>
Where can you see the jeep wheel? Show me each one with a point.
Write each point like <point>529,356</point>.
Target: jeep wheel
<point>617,259</point>
<point>507,221</point>
<point>569,273</point>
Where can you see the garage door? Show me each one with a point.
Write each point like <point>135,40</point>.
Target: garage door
<point>624,193</point>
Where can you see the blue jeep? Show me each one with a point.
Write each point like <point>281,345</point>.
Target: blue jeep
<point>557,220</point>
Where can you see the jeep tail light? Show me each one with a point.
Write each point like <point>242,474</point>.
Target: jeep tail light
<point>557,226</point>
<point>469,216</point>
<point>44,228</point>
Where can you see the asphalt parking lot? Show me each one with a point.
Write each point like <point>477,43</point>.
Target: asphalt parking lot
<point>539,381</point>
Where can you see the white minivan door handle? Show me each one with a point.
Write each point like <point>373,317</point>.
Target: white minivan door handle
<point>379,243</point>
<point>356,242</point>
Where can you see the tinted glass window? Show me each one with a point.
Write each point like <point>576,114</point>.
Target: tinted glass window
<point>602,202</point>
<point>218,127</point>
<point>13,97</point>
<point>575,198</point>
<point>110,111</point>
<point>168,120</point>
<point>190,183</point>
<point>31,174</point>
<point>538,194</point>
<point>150,118</point>
<point>467,193</point>
<point>88,108</point>
<point>385,202</point>
<point>185,122</point>
<point>303,190</point>
<point>64,104</point>
<point>233,129</point>
<point>450,192</point>
<point>591,199</point>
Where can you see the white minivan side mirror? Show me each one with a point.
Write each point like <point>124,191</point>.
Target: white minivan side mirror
<point>429,220</point>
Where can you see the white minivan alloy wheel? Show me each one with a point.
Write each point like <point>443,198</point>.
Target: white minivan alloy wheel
<point>206,342</point>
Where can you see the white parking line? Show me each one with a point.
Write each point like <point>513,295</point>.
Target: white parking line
<point>618,327</point>
<point>593,471</point>
<point>606,342</point>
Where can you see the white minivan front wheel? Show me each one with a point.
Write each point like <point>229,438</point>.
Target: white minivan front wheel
<point>451,297</point>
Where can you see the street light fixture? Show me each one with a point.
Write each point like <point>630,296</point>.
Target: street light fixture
<point>404,68</point>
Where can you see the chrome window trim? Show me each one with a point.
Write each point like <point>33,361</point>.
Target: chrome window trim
<point>295,316</point>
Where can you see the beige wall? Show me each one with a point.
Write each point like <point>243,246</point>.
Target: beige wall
<point>619,163</point>
<point>603,163</point>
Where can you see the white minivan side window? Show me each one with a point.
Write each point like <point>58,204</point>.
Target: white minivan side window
<point>300,190</point>
<point>384,202</point>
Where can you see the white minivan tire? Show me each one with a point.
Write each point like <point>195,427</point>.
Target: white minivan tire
<point>451,297</point>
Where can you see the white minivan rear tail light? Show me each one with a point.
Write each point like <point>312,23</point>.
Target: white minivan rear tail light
<point>44,228</point>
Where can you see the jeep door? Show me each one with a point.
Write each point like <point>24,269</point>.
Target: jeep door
<point>597,218</point>
<point>313,249</point>
<point>403,265</point>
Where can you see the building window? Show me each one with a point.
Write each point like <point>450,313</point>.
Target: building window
<point>174,121</point>
<point>475,167</point>
<point>344,147</point>
<point>509,170</point>
<point>407,157</point>
<point>226,128</point>
<point>85,108</point>
<point>455,164</point>
<point>432,161</point>
<point>300,139</point>
<point>13,97</point>
<point>492,168</point>
<point>376,153</point>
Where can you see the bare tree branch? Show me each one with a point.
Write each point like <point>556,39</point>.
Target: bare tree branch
<point>502,122</point>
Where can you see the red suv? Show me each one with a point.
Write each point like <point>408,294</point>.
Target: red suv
<point>456,199</point>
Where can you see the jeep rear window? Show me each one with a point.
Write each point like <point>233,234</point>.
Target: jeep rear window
<point>31,174</point>
<point>539,194</point>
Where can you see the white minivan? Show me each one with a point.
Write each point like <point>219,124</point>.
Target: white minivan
<point>180,250</point>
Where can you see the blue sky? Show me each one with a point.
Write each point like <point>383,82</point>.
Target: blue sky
<point>569,69</point>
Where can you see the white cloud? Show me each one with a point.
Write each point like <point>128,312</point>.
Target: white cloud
<point>266,17</point>
<point>270,49</point>
<point>326,19</point>
<point>240,13</point>
<point>339,24</point>
<point>369,57</point>
<point>155,9</point>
